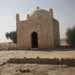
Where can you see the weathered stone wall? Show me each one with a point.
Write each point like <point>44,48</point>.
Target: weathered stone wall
<point>56,33</point>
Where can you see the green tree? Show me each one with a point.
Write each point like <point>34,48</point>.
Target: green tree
<point>71,36</point>
<point>12,35</point>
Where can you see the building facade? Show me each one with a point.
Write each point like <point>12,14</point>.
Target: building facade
<point>39,30</point>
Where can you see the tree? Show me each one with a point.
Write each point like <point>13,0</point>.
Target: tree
<point>12,35</point>
<point>71,36</point>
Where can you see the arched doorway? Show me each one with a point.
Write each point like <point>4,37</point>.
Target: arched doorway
<point>34,40</point>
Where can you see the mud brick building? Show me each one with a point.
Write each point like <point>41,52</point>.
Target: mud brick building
<point>39,30</point>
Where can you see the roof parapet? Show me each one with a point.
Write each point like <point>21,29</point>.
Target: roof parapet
<point>17,18</point>
<point>51,12</point>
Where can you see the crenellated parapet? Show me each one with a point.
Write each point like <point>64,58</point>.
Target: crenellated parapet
<point>51,12</point>
<point>17,18</point>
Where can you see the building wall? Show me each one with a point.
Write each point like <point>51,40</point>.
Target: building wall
<point>56,33</point>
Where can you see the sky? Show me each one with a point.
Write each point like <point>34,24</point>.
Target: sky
<point>64,12</point>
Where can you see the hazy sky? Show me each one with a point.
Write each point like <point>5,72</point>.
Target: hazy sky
<point>64,12</point>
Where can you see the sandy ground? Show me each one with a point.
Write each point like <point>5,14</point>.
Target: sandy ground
<point>35,69</point>
<point>5,55</point>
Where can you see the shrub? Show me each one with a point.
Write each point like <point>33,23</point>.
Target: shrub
<point>71,36</point>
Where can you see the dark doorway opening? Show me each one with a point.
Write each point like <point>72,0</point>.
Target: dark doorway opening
<point>34,40</point>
